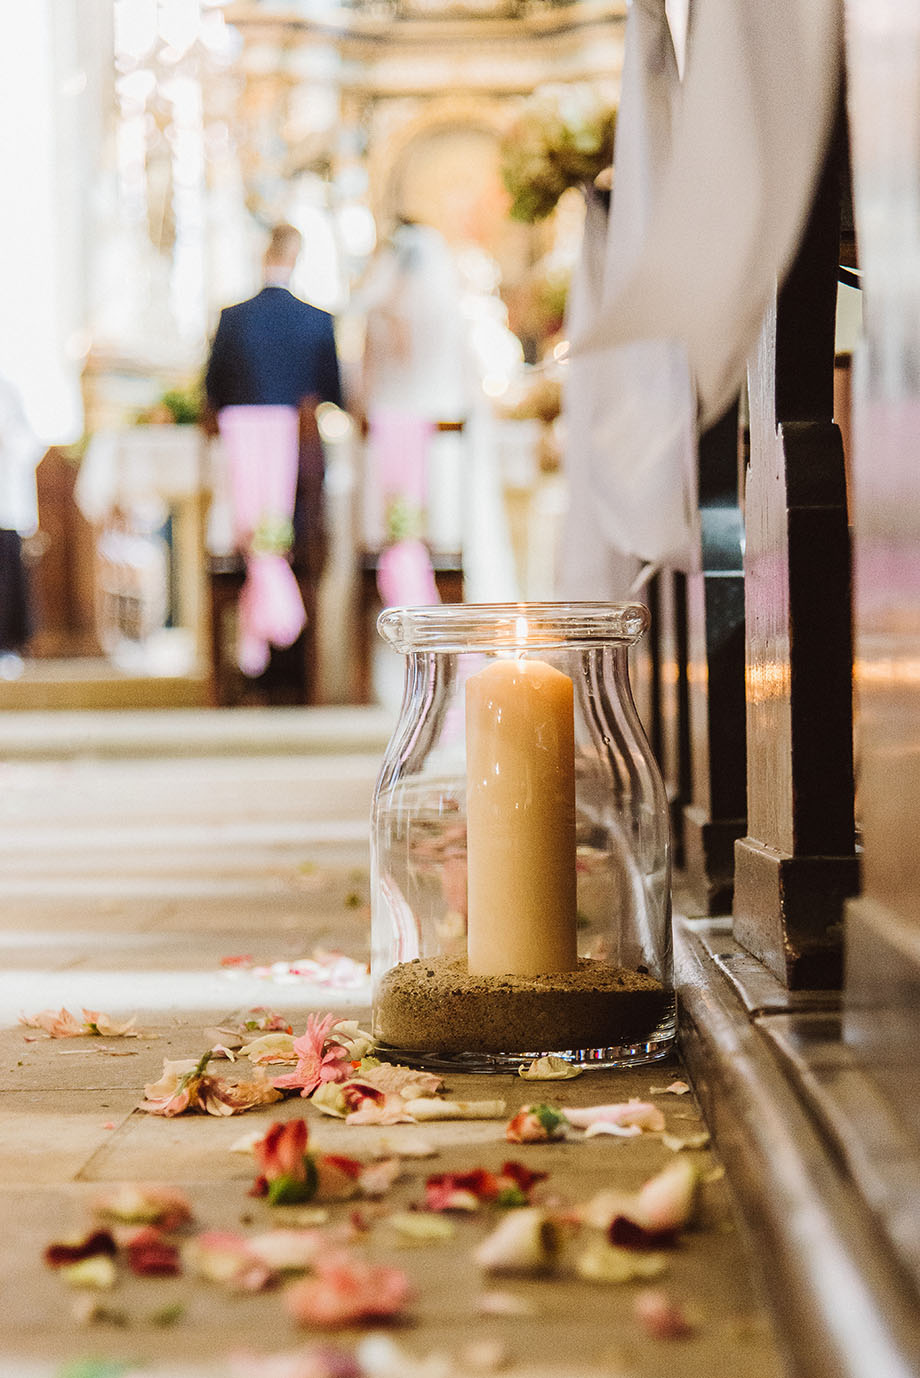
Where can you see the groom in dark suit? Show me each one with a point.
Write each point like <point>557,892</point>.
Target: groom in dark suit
<point>273,349</point>
<point>276,350</point>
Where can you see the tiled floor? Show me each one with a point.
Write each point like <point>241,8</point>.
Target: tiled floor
<point>125,881</point>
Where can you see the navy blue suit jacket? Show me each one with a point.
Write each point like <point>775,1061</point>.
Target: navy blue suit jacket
<point>272,350</point>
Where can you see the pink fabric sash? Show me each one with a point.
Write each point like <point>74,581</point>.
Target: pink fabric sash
<point>405,577</point>
<point>261,447</point>
<point>398,452</point>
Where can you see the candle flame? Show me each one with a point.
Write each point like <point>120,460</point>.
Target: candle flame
<point>520,630</point>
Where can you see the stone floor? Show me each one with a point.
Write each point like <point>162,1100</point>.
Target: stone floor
<point>126,879</point>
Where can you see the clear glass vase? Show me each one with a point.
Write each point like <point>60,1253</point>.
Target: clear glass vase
<point>520,851</point>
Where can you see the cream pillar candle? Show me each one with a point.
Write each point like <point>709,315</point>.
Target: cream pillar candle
<point>520,769</point>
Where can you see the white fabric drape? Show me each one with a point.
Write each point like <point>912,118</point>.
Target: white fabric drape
<point>756,107</point>
<point>629,405</point>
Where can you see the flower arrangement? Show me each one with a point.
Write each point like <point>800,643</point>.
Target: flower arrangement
<point>562,137</point>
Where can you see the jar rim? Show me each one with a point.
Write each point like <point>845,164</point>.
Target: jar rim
<point>457,627</point>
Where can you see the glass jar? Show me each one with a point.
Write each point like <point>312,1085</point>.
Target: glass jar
<point>520,851</point>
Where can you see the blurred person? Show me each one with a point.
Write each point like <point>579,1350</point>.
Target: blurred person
<point>20,453</point>
<point>416,373</point>
<point>272,361</point>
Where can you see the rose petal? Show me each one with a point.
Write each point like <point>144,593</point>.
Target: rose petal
<point>432,1108</point>
<point>629,1131</point>
<point>106,1027</point>
<point>624,1113</point>
<point>149,1254</point>
<point>527,1242</point>
<point>64,1253</point>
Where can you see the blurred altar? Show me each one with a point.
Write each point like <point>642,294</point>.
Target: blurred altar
<point>169,136</point>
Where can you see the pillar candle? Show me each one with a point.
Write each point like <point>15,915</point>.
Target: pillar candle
<point>520,764</point>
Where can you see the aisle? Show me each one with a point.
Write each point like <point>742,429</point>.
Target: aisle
<point>160,888</point>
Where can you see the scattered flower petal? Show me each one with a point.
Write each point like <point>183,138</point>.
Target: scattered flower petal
<point>629,1131</point>
<point>261,1020</point>
<point>226,1258</point>
<point>329,1098</point>
<point>526,1242</point>
<point>218,1096</point>
<point>661,1317</point>
<point>633,1112</point>
<point>288,1251</point>
<point>98,1272</point>
<point>270,1047</point>
<point>676,1144</point>
<point>221,1050</point>
<point>603,1262</point>
<point>185,1085</point>
<point>104,1026</point>
<point>676,1088</point>
<point>62,1024</point>
<point>408,1082</point>
<point>666,1201</point>
<point>377,1178</point>
<point>150,1254</point>
<point>460,1191</point>
<point>346,1292</point>
<point>421,1227</point>
<point>367,1105</point>
<point>132,1204</point>
<point>549,1068</point>
<point>59,1024</point>
<point>357,1042</point>
<point>432,1108</point>
<point>64,1253</point>
<point>536,1124</point>
<point>337,1178</point>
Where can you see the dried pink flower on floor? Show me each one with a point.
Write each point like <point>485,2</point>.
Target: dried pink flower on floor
<point>185,1085</point>
<point>62,1024</point>
<point>348,1291</point>
<point>407,1082</point>
<point>463,1191</point>
<point>320,1058</point>
<point>535,1124</point>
